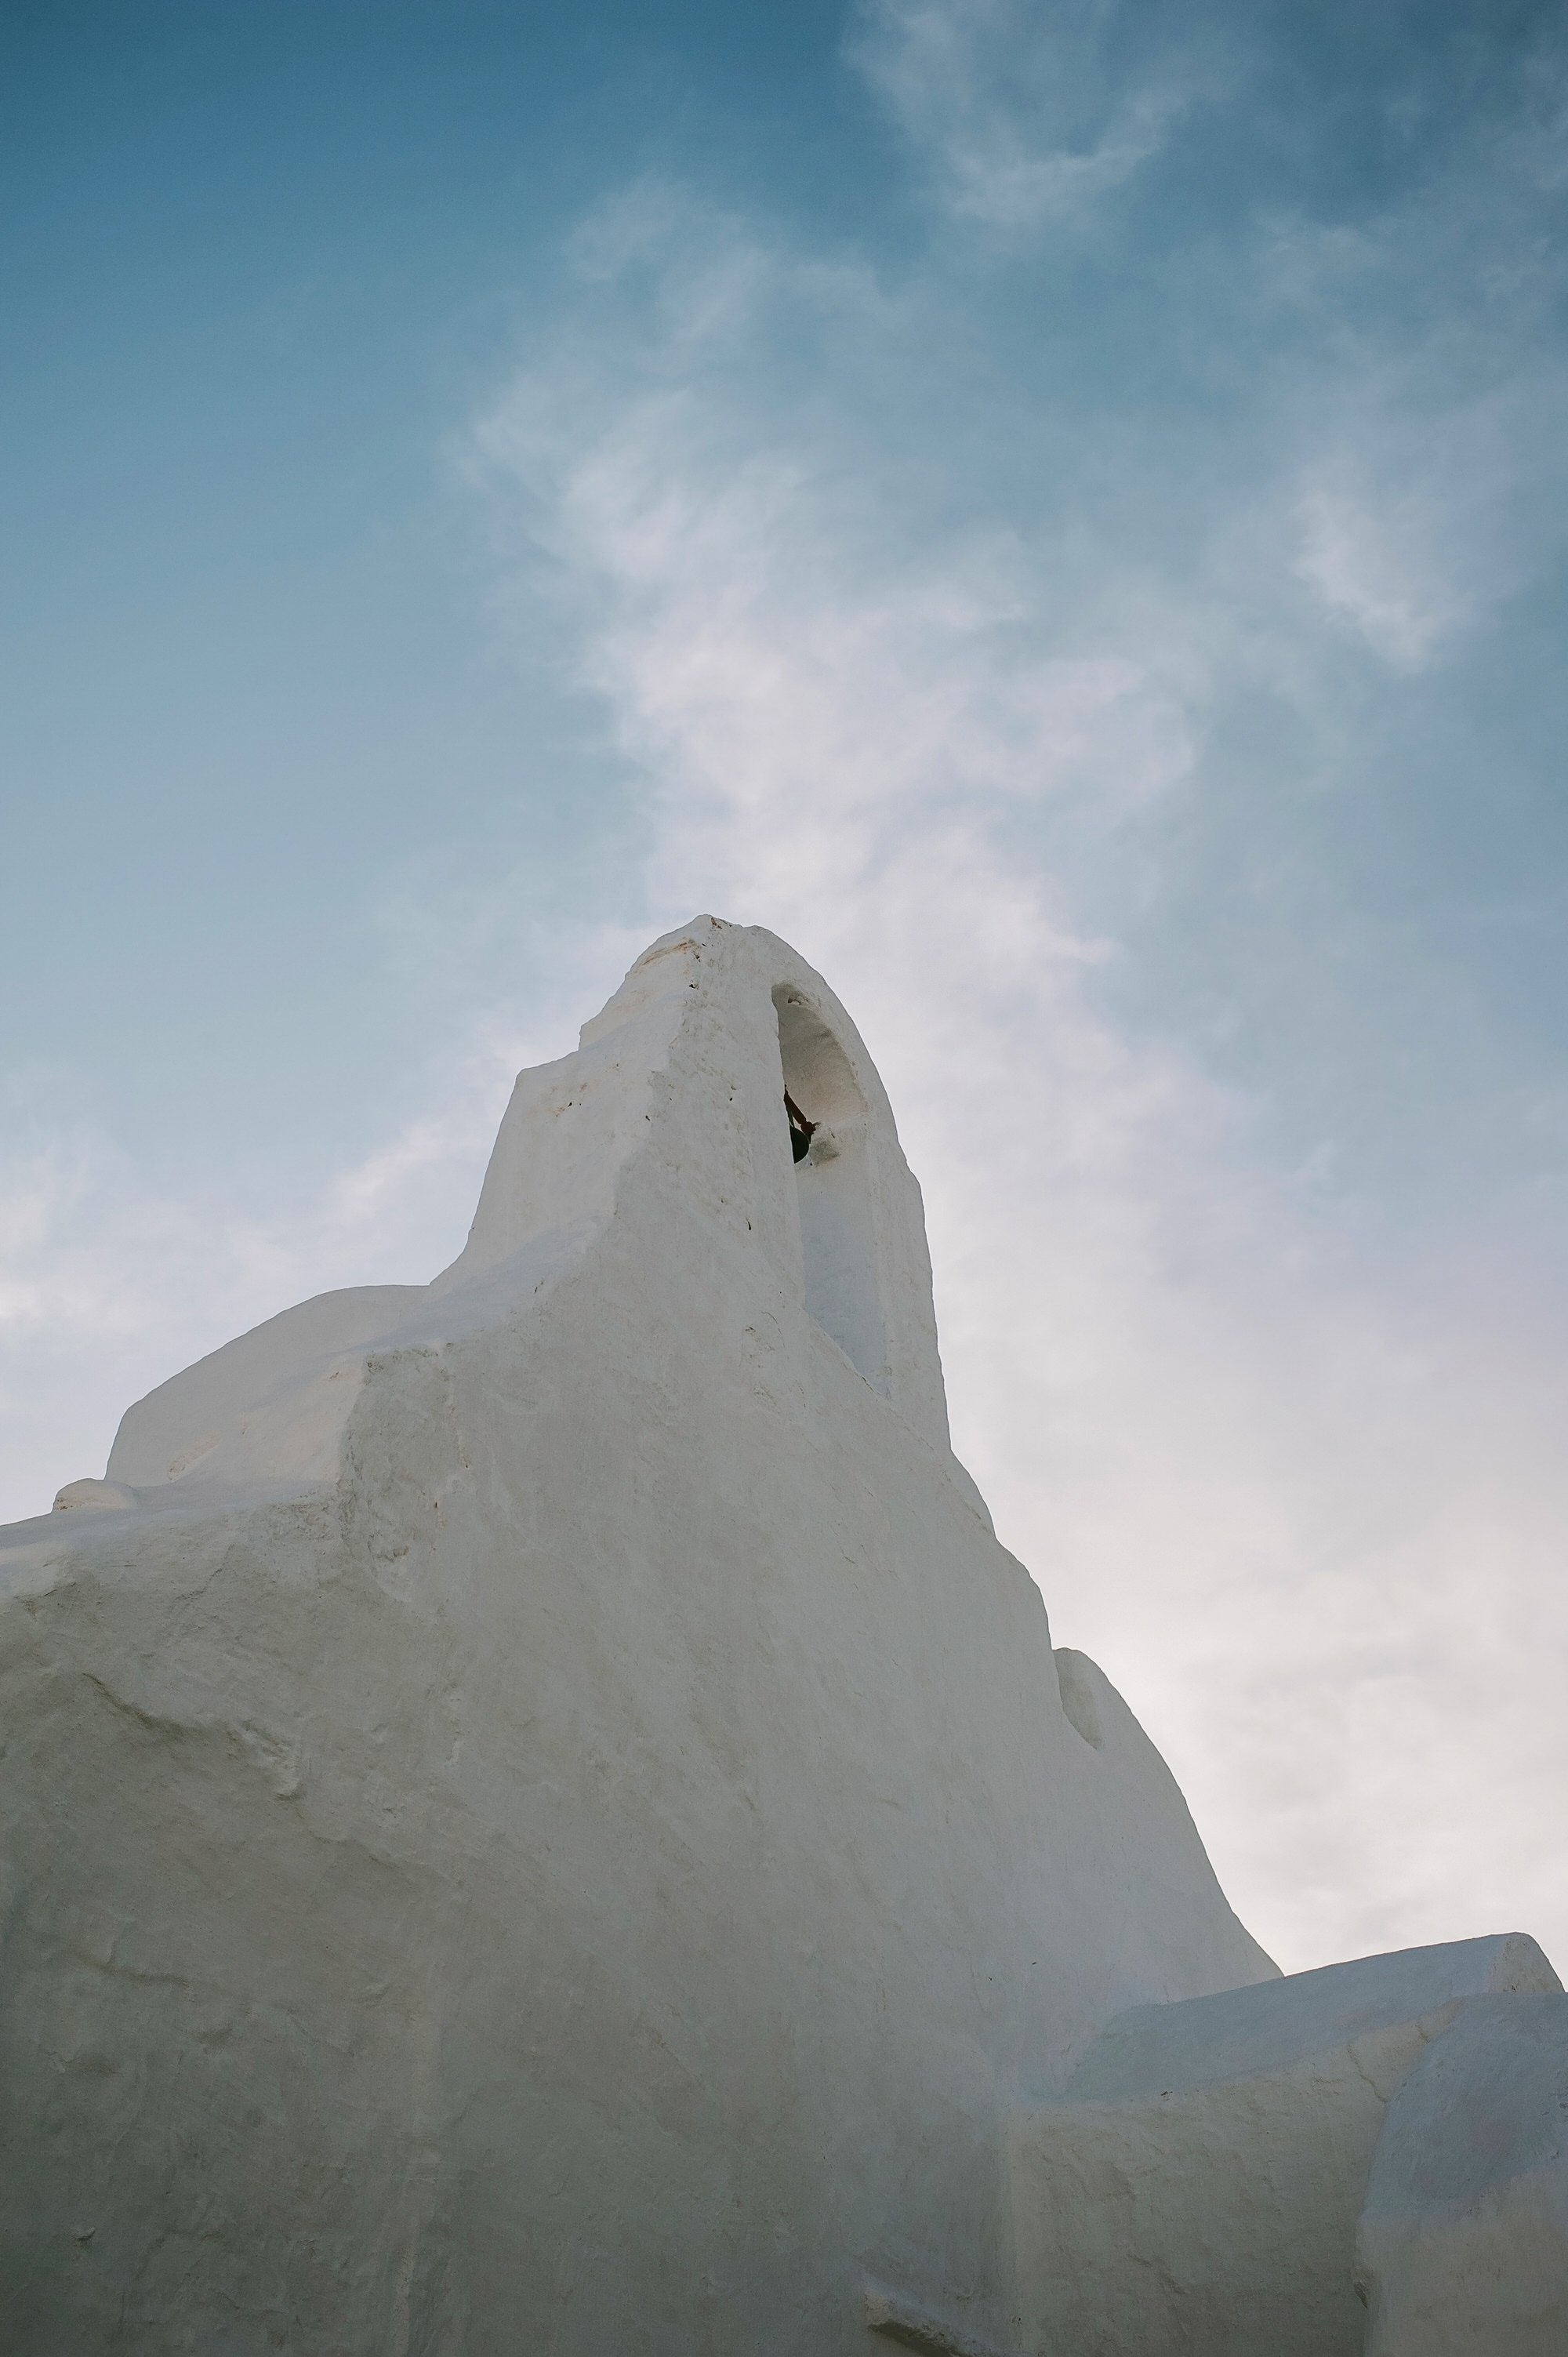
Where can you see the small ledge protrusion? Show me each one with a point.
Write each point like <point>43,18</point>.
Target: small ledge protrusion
<point>94,1497</point>
<point>1080,1702</point>
<point>912,2326</point>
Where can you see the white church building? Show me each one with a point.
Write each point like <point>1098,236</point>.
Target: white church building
<point>540,1821</point>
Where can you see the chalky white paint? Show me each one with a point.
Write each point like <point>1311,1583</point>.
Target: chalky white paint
<point>1463,2243</point>
<point>551,1821</point>
<point>1196,2185</point>
<point>539,1813</point>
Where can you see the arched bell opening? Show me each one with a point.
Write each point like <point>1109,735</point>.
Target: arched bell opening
<point>825,1124</point>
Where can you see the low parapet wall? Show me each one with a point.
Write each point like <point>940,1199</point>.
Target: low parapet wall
<point>1196,2185</point>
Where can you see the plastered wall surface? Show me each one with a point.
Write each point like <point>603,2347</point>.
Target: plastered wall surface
<point>538,1815</point>
<point>1463,2241</point>
<point>1195,2186</point>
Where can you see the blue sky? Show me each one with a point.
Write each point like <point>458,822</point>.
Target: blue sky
<point>1062,513</point>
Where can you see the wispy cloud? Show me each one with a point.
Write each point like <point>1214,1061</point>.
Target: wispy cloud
<point>935,653</point>
<point>1003,105</point>
<point>1418,522</point>
<point>1372,563</point>
<point>1279,1502</point>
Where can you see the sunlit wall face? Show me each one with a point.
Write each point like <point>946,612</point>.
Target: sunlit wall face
<point>1057,511</point>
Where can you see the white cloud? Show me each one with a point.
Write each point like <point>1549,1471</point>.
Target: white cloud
<point>1308,1523</point>
<point>1416,523</point>
<point>1379,571</point>
<point>1428,480</point>
<point>981,89</point>
<point>1413,528</point>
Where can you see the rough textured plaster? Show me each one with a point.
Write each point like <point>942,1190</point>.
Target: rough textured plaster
<point>1195,2184</point>
<point>1462,2249</point>
<point>537,1812</point>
